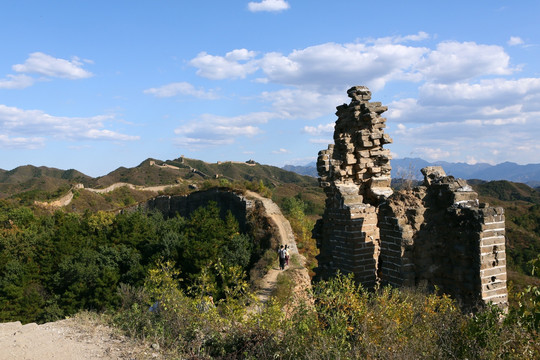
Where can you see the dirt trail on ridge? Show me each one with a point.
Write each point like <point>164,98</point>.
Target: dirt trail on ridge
<point>286,237</point>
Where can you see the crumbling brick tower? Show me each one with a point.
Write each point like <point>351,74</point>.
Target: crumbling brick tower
<point>435,235</point>
<point>355,175</point>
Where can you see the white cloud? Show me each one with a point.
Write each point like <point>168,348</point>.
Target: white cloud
<point>453,61</point>
<point>417,37</point>
<point>21,124</point>
<point>227,67</point>
<point>268,5</point>
<point>486,121</point>
<point>240,55</point>
<point>104,134</point>
<point>281,151</point>
<point>489,140</point>
<point>302,103</point>
<point>500,92</point>
<point>211,130</point>
<point>198,143</point>
<point>332,65</point>
<point>432,153</point>
<point>328,65</point>
<point>515,40</point>
<point>7,142</point>
<point>180,88</point>
<point>320,129</point>
<point>43,64</point>
<point>463,92</point>
<point>421,35</point>
<point>16,82</point>
<point>496,100</point>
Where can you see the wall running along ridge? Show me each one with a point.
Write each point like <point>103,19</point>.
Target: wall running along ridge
<point>435,235</point>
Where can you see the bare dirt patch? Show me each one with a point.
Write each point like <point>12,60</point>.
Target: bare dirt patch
<point>82,337</point>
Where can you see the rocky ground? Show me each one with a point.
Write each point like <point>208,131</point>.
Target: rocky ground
<point>82,337</point>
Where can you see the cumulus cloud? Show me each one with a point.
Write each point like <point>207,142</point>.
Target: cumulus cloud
<point>335,65</point>
<point>320,129</point>
<point>7,142</point>
<point>494,99</point>
<point>236,64</point>
<point>515,40</point>
<point>454,61</point>
<point>301,103</point>
<point>374,62</point>
<point>16,82</point>
<point>212,130</point>
<point>181,88</point>
<point>432,154</point>
<point>326,65</point>
<point>268,5</point>
<point>421,35</point>
<point>492,140</point>
<point>46,65</point>
<point>23,127</point>
<point>499,92</point>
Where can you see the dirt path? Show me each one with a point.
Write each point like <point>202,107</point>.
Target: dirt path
<point>286,237</point>
<point>70,339</point>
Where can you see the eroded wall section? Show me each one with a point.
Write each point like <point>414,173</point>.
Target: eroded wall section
<point>435,235</point>
<point>355,175</point>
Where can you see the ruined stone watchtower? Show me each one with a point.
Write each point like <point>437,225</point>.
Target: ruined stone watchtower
<point>436,234</point>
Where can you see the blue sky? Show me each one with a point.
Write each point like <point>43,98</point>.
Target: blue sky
<point>94,85</point>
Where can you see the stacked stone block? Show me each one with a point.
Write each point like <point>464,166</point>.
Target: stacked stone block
<point>355,175</point>
<point>357,155</point>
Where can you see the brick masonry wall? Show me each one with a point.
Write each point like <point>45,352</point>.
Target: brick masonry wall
<point>493,256</point>
<point>434,236</point>
<point>184,205</point>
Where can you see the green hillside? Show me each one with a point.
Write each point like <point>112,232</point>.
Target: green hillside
<point>27,184</point>
<point>39,183</point>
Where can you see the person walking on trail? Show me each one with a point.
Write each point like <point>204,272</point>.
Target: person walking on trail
<point>286,255</point>
<point>281,257</point>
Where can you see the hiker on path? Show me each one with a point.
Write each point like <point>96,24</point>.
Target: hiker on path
<point>286,255</point>
<point>281,256</point>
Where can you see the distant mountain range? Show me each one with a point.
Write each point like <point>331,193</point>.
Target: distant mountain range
<point>410,168</point>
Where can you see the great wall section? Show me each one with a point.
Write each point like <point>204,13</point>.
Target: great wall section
<point>436,235</point>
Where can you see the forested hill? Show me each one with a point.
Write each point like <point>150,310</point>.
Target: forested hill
<point>28,178</point>
<point>31,183</point>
